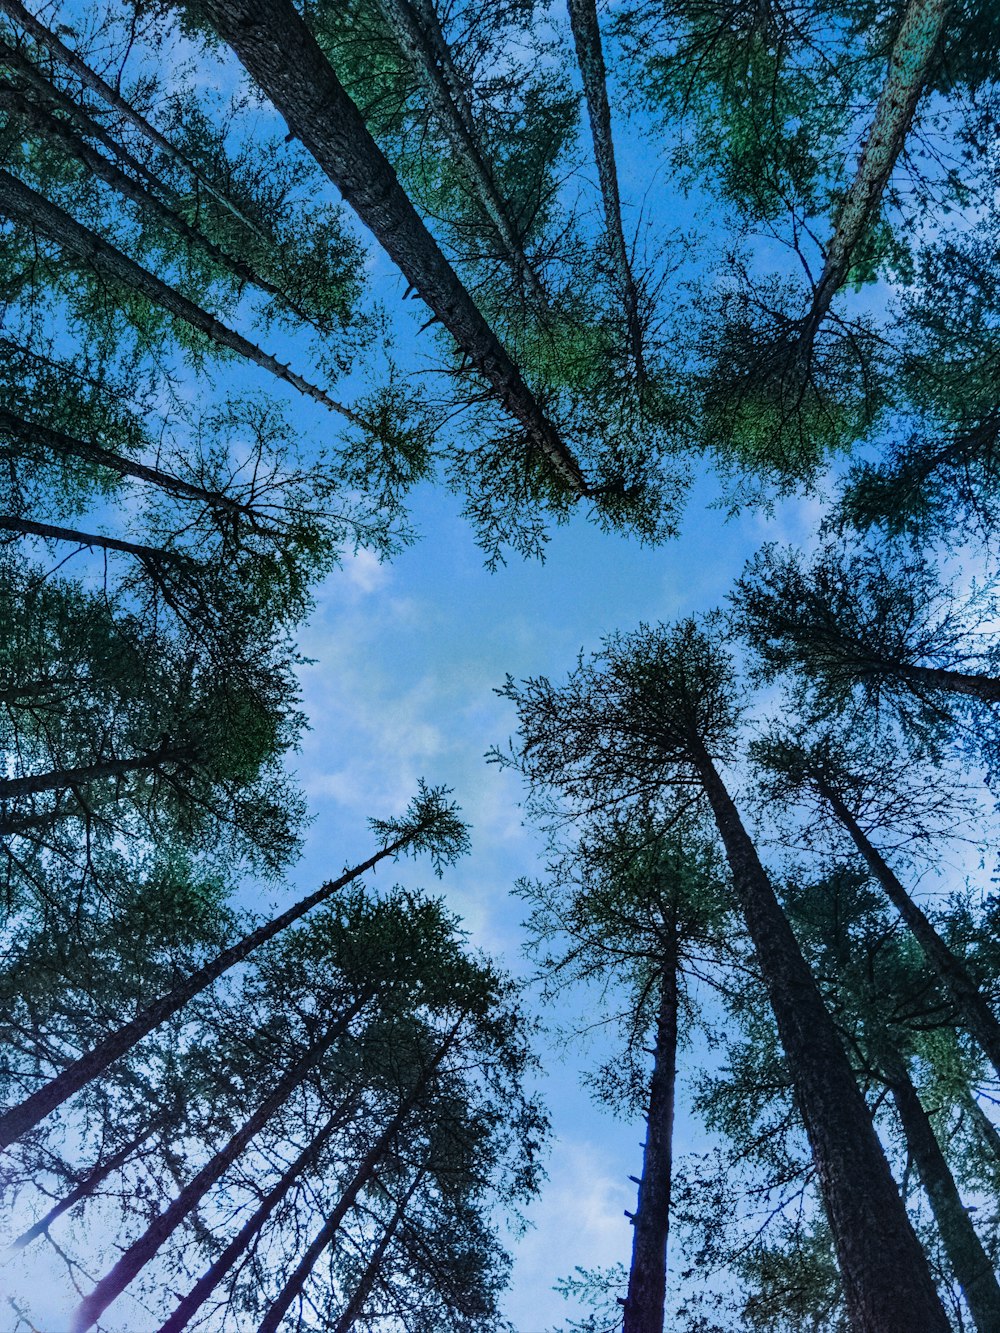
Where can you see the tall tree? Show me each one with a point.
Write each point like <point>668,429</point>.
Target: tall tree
<point>657,710</point>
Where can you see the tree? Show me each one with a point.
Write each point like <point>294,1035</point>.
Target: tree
<point>633,906</point>
<point>431,824</point>
<point>656,710</point>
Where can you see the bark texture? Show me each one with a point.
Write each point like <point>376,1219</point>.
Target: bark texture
<point>13,788</point>
<point>282,56</point>
<point>647,1279</point>
<point>44,1100</point>
<point>916,43</point>
<point>887,1283</point>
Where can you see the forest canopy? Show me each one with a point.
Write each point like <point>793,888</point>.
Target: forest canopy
<point>282,287</point>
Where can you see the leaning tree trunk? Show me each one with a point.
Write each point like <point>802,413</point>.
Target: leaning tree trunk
<point>988,1133</point>
<point>968,1259</point>
<point>149,555</point>
<point>13,788</point>
<point>92,80</point>
<point>142,1250</point>
<point>283,58</point>
<point>20,202</point>
<point>210,1279</point>
<point>429,56</point>
<point>83,1190</point>
<point>590,56</point>
<point>98,165</point>
<point>912,53</point>
<point>984,688</point>
<point>887,1282</point>
<point>363,1290</point>
<point>33,434</point>
<point>975,1014</point>
<point>647,1280</point>
<point>43,1101</point>
<point>365,1173</point>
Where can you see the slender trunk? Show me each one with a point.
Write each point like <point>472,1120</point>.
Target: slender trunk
<point>83,1190</point>
<point>284,59</point>
<point>142,1250</point>
<point>909,62</point>
<point>647,1281</point>
<point>968,1259</point>
<point>428,53</point>
<point>154,555</point>
<point>975,1014</point>
<point>363,1290</point>
<point>887,1283</point>
<point>590,57</point>
<point>988,1132</point>
<point>33,433</point>
<point>43,1101</point>
<point>210,1279</point>
<point>112,175</point>
<point>92,80</point>
<point>20,202</point>
<point>365,1172</point>
<point>54,97</point>
<point>984,688</point>
<point>13,788</point>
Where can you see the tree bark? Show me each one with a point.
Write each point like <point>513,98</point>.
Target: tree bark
<point>12,788</point>
<point>44,1100</point>
<point>420,37</point>
<point>210,1279</point>
<point>887,1283</point>
<point>149,555</point>
<point>142,1250</point>
<point>984,688</point>
<point>975,1014</point>
<point>968,1259</point>
<point>33,433</point>
<point>647,1281</point>
<point>988,1132</point>
<point>20,202</point>
<point>92,80</point>
<point>914,48</point>
<point>83,1190</point>
<point>362,1291</point>
<point>284,59</point>
<point>365,1172</point>
<point>590,57</point>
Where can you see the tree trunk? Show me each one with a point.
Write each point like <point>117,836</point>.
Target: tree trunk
<point>141,1251</point>
<point>887,1283</point>
<point>428,53</point>
<point>590,57</point>
<point>33,433</point>
<point>362,1291</point>
<point>83,1190</point>
<point>647,1281</point>
<point>912,52</point>
<point>96,163</point>
<point>43,1101</point>
<point>92,80</point>
<point>984,688</point>
<point>12,788</point>
<point>975,1014</point>
<point>207,1283</point>
<point>965,1252</point>
<point>149,555</point>
<point>20,202</point>
<point>988,1132</point>
<point>284,59</point>
<point>365,1172</point>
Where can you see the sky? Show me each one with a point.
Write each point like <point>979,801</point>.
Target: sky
<point>405,660</point>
